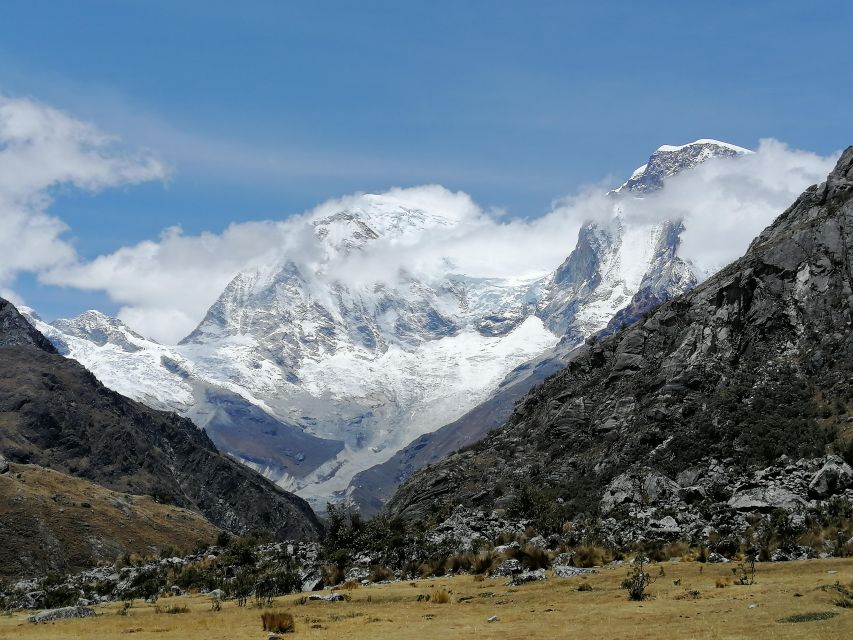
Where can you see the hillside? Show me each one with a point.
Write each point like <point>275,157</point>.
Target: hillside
<point>53,523</point>
<point>750,371</point>
<point>56,414</point>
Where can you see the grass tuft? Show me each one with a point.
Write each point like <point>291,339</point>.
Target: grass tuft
<point>278,622</point>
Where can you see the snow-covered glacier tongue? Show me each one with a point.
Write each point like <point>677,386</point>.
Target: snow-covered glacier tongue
<point>315,367</point>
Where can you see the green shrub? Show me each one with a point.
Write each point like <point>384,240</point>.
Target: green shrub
<point>637,582</point>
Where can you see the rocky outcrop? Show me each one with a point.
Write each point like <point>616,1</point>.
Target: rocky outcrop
<point>56,414</point>
<point>752,365</point>
<point>63,613</point>
<point>15,331</point>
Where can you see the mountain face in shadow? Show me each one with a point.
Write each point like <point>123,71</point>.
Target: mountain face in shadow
<point>56,414</point>
<point>754,364</point>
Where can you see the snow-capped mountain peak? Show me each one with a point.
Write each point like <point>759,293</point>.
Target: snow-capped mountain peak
<point>311,377</point>
<point>101,329</point>
<point>670,160</point>
<point>705,143</point>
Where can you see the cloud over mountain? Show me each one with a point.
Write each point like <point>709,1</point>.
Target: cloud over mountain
<point>166,284</point>
<point>41,150</point>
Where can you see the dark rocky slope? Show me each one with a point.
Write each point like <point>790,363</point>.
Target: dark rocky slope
<point>687,405</point>
<point>56,414</point>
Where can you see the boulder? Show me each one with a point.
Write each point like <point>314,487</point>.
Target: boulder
<point>833,477</point>
<point>667,524</point>
<point>692,494</point>
<point>638,487</point>
<point>716,558</point>
<point>527,576</point>
<point>312,582</point>
<point>766,498</point>
<point>565,559</point>
<point>568,571</point>
<point>332,597</point>
<point>506,547</point>
<point>507,568</point>
<point>538,542</point>
<point>63,613</point>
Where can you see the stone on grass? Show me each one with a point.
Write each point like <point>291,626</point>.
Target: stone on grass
<point>63,613</point>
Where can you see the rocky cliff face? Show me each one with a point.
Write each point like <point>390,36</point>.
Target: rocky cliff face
<point>706,401</point>
<point>55,414</point>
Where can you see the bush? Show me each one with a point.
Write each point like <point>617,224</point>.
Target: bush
<point>61,596</point>
<point>379,574</point>
<point>483,562</point>
<point>637,582</point>
<point>458,563</point>
<point>530,557</point>
<point>278,622</point>
<point>441,597</point>
<point>590,556</point>
<point>584,586</point>
<point>174,609</point>
<point>333,574</point>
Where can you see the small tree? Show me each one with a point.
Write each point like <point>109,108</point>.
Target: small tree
<point>639,579</point>
<point>747,567</point>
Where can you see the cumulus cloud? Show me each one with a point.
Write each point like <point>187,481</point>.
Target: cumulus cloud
<point>725,203</point>
<point>42,148</point>
<point>166,284</point>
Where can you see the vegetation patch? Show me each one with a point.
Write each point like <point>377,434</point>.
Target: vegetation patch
<point>809,617</point>
<point>278,622</point>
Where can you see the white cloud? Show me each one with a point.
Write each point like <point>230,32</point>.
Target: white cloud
<point>166,285</point>
<point>725,203</point>
<point>42,148</point>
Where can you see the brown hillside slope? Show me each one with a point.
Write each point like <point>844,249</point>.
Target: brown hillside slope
<point>54,523</point>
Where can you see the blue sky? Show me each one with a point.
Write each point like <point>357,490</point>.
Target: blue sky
<point>269,109</point>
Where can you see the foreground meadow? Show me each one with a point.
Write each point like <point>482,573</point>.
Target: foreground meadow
<point>554,608</point>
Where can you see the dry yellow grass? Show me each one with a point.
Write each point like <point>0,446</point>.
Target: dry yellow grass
<point>550,609</point>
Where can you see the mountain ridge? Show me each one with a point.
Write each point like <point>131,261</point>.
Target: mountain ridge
<point>55,413</point>
<point>751,365</point>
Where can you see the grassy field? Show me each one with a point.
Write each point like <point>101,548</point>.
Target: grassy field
<point>550,609</point>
